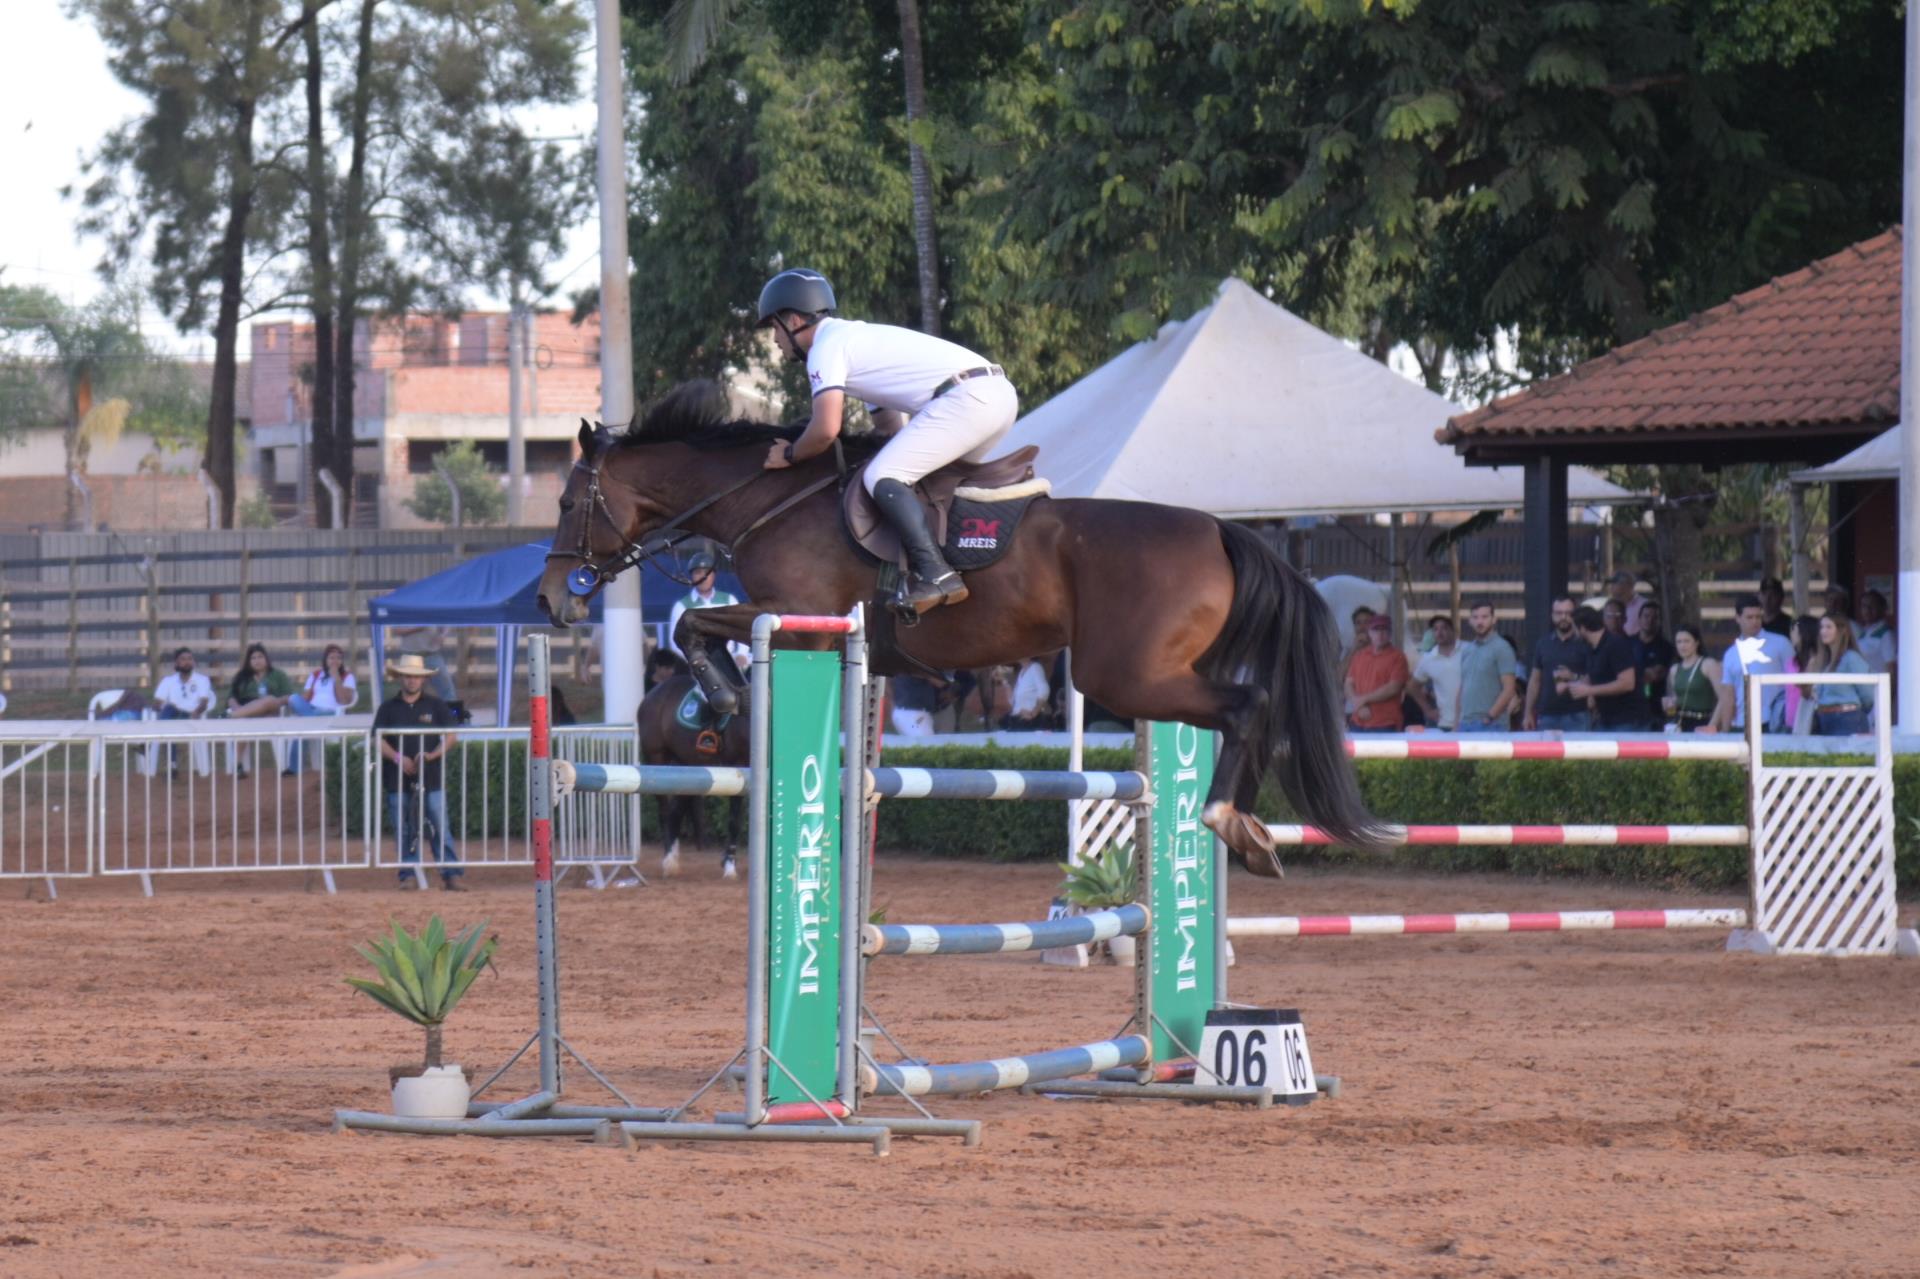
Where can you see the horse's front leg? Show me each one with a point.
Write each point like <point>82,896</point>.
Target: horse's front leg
<point>703,635</point>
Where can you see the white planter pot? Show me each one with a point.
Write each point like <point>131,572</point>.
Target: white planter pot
<point>1123,949</point>
<point>440,1093</point>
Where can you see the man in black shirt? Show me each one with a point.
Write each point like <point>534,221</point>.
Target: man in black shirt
<point>411,769</point>
<point>1611,677</point>
<point>1558,657</point>
<point>1773,609</point>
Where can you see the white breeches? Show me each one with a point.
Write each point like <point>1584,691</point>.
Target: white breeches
<point>964,424</point>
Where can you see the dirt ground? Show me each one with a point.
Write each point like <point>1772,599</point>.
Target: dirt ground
<point>1625,1105</point>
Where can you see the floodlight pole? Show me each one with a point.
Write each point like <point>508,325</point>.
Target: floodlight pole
<point>620,601</point>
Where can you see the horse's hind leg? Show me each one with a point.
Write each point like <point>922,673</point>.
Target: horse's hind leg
<point>672,812</point>
<point>1233,709</point>
<point>736,808</point>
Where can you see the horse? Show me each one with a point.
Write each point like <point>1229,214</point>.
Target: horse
<point>665,740</point>
<point>1170,613</point>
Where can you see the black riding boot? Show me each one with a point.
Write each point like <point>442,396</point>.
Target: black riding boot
<point>933,581</point>
<point>722,688</point>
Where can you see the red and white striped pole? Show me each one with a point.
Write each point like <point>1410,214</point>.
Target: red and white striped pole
<point>1551,921</point>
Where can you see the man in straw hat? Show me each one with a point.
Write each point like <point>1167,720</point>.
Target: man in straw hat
<point>411,772</point>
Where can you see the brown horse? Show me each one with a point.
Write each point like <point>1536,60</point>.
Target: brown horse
<point>1170,613</point>
<point>665,740</point>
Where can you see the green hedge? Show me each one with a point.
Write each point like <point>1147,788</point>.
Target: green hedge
<point>1427,792</point>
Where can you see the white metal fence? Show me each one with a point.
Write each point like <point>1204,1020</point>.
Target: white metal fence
<point>203,797</point>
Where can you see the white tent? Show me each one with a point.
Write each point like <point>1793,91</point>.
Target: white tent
<point>1248,412</point>
<point>1877,459</point>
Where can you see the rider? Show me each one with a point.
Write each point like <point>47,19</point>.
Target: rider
<point>939,401</point>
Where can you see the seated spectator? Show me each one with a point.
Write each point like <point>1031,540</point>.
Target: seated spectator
<point>1436,680</point>
<point>1488,676</point>
<point>1874,637</point>
<point>259,688</point>
<point>1693,682</point>
<point>913,700</point>
<point>1362,618</point>
<point>1840,710</point>
<point>184,693</point>
<point>1773,612</point>
<point>1377,676</point>
<point>1611,684</point>
<point>1560,658</point>
<point>330,689</point>
<point>1653,655</point>
<point>1765,654</point>
<point>1032,707</point>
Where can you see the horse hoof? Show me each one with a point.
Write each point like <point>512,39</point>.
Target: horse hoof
<point>670,864</point>
<point>1246,837</point>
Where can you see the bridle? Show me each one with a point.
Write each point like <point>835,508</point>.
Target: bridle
<point>595,572</point>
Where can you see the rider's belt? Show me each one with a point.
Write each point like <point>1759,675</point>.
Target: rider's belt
<point>985,370</point>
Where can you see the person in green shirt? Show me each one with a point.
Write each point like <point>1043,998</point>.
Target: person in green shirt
<point>260,687</point>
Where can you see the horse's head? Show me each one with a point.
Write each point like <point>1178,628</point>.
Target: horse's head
<point>599,519</point>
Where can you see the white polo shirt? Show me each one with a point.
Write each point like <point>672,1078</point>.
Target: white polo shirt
<point>191,696</point>
<point>882,365</point>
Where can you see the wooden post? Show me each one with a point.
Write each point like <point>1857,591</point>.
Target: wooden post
<point>6,639</point>
<point>1453,583</point>
<point>246,596</point>
<point>353,601</point>
<point>153,623</point>
<point>73,622</point>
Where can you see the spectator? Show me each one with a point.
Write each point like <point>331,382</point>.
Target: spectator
<point>426,642</point>
<point>1032,707</point>
<point>259,687</point>
<point>1376,678</point>
<point>914,702</point>
<point>1611,682</point>
<point>1839,601</point>
<point>411,771</point>
<point>1773,614</point>
<point>1559,658</point>
<point>662,665</point>
<point>1488,688</point>
<point>1653,655</point>
<point>1840,710</point>
<point>185,693</point>
<point>1621,590</point>
<point>1362,618</point>
<point>1692,682</point>
<point>1436,680</point>
<point>1806,657</point>
<point>1875,637</point>
<point>1765,654</point>
<point>705,594</point>
<point>329,690</point>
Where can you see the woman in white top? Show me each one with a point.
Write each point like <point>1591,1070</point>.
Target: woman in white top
<point>941,403</point>
<point>328,690</point>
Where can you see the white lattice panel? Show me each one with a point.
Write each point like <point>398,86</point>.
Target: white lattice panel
<point>1823,860</point>
<point>1103,822</point>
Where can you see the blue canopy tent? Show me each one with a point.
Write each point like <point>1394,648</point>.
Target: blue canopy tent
<point>498,590</point>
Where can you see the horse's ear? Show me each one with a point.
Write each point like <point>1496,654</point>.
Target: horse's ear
<point>588,441</point>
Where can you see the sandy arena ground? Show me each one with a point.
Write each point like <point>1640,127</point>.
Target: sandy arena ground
<point>1625,1105</point>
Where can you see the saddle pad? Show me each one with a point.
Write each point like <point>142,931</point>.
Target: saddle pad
<point>980,529</point>
<point>868,530</point>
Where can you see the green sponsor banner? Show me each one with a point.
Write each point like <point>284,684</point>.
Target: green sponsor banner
<point>1181,888</point>
<point>803,875</point>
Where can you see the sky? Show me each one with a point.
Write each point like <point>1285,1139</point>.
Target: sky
<point>58,98</point>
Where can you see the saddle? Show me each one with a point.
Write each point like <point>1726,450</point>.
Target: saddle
<point>972,510</point>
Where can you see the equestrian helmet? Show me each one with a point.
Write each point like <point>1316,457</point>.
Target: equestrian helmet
<point>700,562</point>
<point>799,289</point>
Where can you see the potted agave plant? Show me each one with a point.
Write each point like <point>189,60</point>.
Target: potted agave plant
<point>422,978</point>
<point>1102,882</point>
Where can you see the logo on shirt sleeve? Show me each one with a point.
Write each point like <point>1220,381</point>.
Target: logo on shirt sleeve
<point>814,377</point>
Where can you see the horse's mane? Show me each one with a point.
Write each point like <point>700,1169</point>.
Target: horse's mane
<point>697,414</point>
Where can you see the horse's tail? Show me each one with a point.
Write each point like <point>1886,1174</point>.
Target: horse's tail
<point>1279,635</point>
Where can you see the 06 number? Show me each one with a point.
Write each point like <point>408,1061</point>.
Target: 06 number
<point>1234,1056</point>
